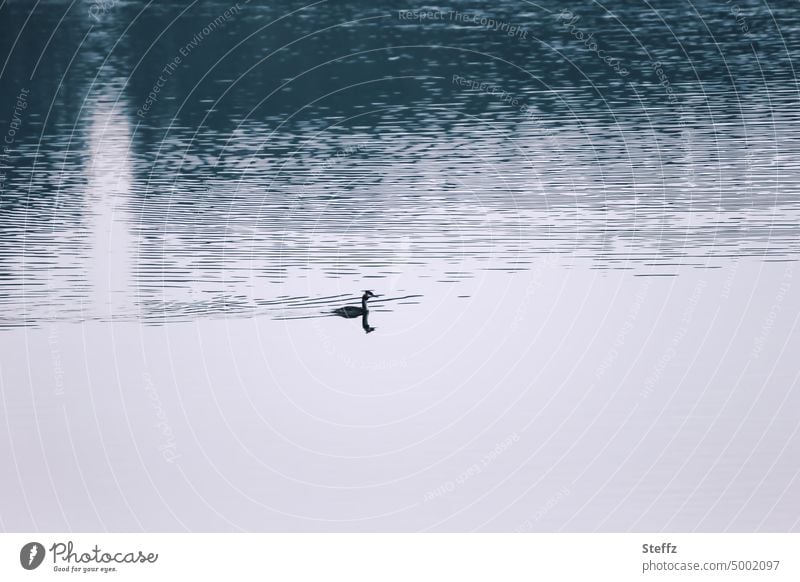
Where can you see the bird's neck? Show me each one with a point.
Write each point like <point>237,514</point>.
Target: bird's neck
<point>364,303</point>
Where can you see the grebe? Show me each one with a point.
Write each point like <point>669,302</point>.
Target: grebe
<point>351,311</point>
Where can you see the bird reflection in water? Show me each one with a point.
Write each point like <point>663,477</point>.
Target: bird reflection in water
<point>351,311</point>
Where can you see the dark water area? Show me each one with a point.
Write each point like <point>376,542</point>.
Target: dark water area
<point>347,139</point>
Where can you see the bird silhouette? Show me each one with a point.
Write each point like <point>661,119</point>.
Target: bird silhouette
<point>351,311</point>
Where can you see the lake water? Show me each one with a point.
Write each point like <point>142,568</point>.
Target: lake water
<point>583,230</point>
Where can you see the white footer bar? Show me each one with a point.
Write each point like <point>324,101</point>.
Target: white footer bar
<point>401,557</point>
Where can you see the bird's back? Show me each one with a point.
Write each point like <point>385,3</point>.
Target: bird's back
<point>349,311</point>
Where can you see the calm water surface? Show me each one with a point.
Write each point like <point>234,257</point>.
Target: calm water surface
<point>587,306</point>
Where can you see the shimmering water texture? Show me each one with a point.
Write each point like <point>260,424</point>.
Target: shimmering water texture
<point>359,143</point>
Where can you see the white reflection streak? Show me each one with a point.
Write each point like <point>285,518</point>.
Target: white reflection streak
<point>109,179</point>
